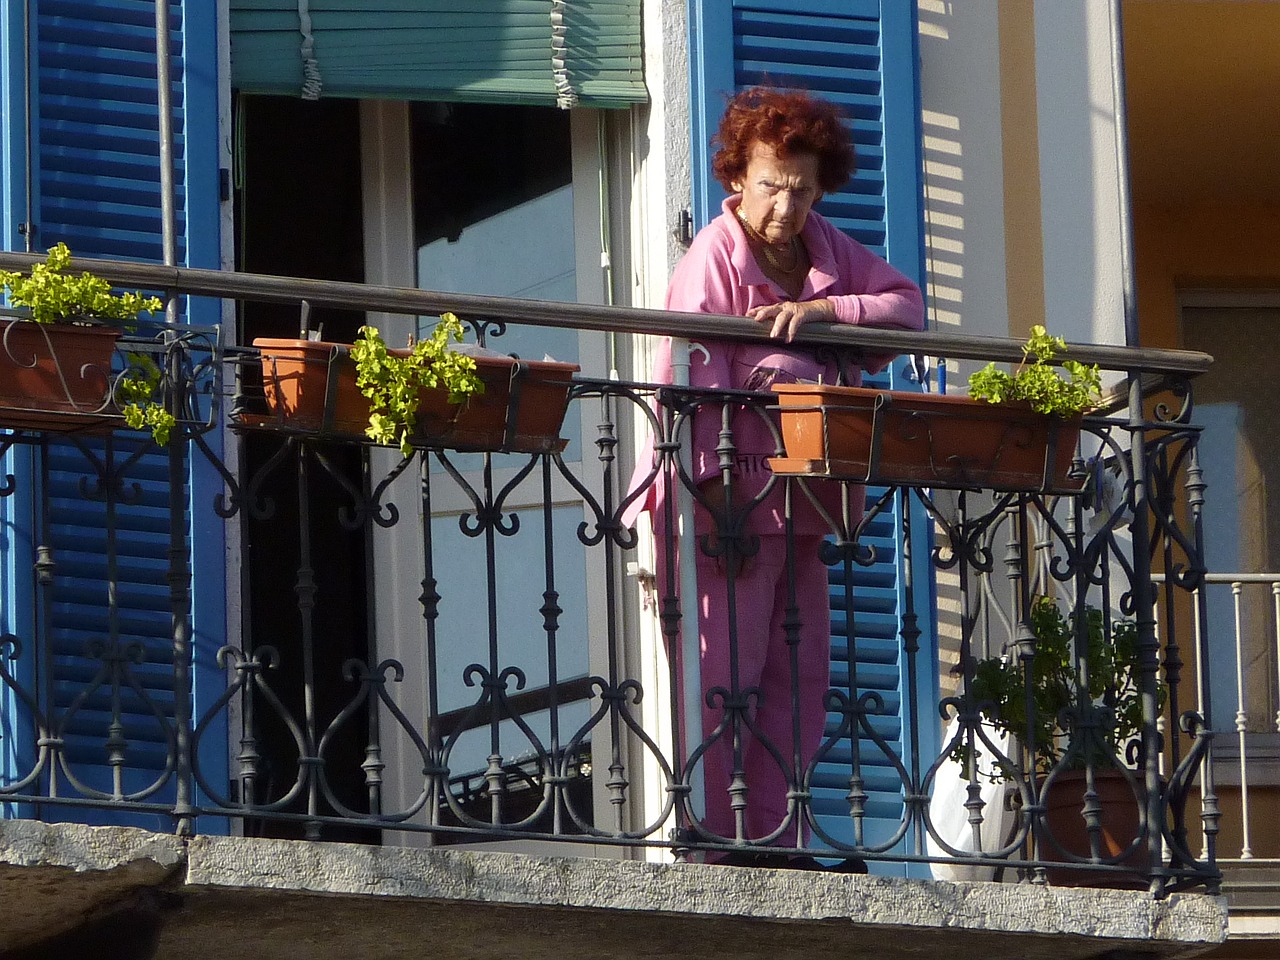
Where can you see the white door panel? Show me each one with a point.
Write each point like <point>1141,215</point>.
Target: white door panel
<point>477,250</point>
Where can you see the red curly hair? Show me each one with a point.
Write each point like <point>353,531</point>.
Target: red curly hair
<point>790,121</point>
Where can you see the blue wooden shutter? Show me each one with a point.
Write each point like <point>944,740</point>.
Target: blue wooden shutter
<point>862,55</point>
<point>880,600</point>
<point>96,160</point>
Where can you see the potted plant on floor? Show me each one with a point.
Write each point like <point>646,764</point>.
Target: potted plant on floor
<point>437,392</point>
<point>56,358</point>
<point>1060,741</point>
<point>1016,431</point>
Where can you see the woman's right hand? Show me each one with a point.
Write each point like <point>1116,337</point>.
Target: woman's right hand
<point>789,316</point>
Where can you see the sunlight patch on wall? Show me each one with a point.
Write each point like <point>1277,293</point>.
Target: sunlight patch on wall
<point>943,170</point>
<point>929,28</point>
<point>944,220</point>
<point>942,121</point>
<point>943,145</point>
<point>948,221</point>
<point>945,318</point>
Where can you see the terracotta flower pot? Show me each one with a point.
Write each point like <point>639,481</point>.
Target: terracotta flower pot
<point>311,385</point>
<point>896,437</point>
<point>55,376</point>
<point>1121,823</point>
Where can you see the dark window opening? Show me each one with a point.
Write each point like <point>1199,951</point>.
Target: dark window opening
<point>473,161</point>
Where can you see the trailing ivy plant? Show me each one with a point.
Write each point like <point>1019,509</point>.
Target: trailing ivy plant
<point>1037,380</point>
<point>394,383</point>
<point>52,293</point>
<point>138,388</point>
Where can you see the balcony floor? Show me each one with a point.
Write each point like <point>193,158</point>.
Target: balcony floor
<point>157,896</point>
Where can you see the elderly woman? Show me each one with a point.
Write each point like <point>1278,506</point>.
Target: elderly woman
<point>768,257</point>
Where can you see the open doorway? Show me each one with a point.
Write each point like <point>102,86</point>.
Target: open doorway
<point>436,196</point>
<point>298,181</point>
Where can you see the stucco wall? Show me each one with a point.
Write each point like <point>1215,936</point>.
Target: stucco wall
<point>1021,174</point>
<point>963,188</point>
<point>1078,171</point>
<point>1205,245</point>
<point>1022,190</point>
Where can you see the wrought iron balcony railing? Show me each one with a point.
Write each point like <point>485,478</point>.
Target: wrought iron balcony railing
<point>1241,613</point>
<point>268,628</point>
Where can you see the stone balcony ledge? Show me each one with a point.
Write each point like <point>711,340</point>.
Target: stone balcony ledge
<point>67,887</point>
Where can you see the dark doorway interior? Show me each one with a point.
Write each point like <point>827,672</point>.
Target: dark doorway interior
<point>299,214</point>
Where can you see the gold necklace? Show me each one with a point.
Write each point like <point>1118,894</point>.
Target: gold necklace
<point>768,249</point>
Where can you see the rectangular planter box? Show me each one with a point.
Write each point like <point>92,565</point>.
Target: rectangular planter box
<point>923,439</point>
<point>311,385</point>
<point>55,376</point>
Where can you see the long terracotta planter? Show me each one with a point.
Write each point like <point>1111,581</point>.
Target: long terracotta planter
<point>55,377</point>
<point>896,437</point>
<point>311,385</point>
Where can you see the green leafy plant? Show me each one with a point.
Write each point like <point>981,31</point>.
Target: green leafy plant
<point>1037,380</point>
<point>52,293</point>
<point>394,382</point>
<point>138,389</point>
<point>1112,658</point>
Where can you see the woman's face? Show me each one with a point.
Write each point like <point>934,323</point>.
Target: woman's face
<point>777,192</point>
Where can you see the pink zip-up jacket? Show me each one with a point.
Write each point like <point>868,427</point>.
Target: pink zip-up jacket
<point>719,275</point>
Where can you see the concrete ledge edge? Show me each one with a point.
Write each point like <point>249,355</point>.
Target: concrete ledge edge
<point>207,864</point>
<point>694,889</point>
<point>31,843</point>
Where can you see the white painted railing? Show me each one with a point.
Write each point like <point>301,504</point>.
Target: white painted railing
<point>1238,614</point>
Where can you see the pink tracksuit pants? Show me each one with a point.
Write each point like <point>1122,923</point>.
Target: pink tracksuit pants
<point>755,625</point>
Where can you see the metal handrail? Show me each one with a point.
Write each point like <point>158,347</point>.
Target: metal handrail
<point>1227,578</point>
<point>634,320</point>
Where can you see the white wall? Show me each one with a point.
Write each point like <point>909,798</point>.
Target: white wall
<point>964,190</point>
<point>661,189</point>
<point>1078,171</point>
<point>960,48</point>
<point>661,184</point>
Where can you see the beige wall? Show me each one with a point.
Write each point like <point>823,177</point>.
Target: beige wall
<point>1209,244</point>
<point>1024,248</point>
<point>1202,77</point>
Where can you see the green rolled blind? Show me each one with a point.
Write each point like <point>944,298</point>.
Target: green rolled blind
<point>540,52</point>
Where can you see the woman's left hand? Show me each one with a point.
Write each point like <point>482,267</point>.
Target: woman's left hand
<point>788,316</point>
